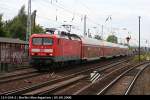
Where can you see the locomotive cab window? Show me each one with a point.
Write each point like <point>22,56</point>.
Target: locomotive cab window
<point>47,41</point>
<point>42,41</point>
<point>37,41</point>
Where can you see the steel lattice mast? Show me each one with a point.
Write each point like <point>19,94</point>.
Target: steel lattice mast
<point>28,33</point>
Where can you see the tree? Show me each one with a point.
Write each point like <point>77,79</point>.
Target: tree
<point>112,38</point>
<point>3,33</point>
<point>18,25</point>
<point>98,37</point>
<point>38,29</point>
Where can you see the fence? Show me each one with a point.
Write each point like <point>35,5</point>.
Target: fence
<point>13,55</point>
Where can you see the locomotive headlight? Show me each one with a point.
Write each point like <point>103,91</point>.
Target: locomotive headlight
<point>35,50</point>
<point>48,50</point>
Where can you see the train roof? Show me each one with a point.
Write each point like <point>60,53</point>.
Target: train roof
<point>91,41</point>
<point>60,35</point>
<point>40,35</point>
<point>11,40</point>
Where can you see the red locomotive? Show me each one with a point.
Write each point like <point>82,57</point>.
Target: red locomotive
<point>61,47</point>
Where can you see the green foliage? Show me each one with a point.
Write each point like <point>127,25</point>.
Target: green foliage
<point>16,28</point>
<point>3,32</point>
<point>98,37</point>
<point>112,38</point>
<point>38,29</point>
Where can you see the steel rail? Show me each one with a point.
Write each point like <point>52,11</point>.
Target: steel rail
<point>102,78</point>
<point>16,78</point>
<point>14,75</point>
<point>117,78</point>
<point>134,80</point>
<point>39,85</point>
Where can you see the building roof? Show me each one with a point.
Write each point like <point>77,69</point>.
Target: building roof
<point>11,40</point>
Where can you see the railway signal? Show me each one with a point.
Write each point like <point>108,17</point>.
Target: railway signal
<point>128,39</point>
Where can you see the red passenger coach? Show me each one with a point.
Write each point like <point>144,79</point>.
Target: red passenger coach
<point>68,48</point>
<point>92,49</point>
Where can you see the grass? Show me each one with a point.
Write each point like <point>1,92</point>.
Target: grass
<point>143,57</point>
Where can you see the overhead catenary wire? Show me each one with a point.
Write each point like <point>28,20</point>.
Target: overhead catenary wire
<point>60,6</point>
<point>75,14</point>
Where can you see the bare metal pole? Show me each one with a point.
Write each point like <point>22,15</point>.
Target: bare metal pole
<point>85,25</point>
<point>139,37</point>
<point>102,31</point>
<point>28,21</point>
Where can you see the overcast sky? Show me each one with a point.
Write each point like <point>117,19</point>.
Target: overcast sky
<point>124,14</point>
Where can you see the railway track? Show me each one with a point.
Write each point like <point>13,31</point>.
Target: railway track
<point>99,86</point>
<point>123,84</point>
<point>18,73</point>
<point>56,84</point>
<point>18,76</point>
<point>24,68</point>
<point>66,86</point>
